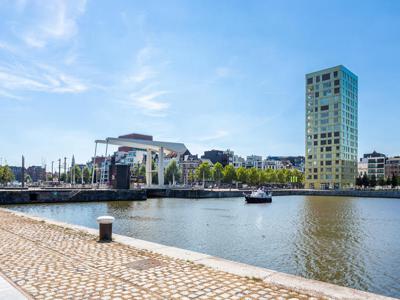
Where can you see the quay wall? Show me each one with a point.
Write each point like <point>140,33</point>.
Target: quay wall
<point>343,193</point>
<point>68,195</point>
<point>89,195</point>
<point>194,193</point>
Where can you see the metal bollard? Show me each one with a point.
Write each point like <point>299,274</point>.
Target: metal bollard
<point>105,228</point>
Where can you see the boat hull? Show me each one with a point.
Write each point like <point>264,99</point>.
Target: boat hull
<point>258,200</point>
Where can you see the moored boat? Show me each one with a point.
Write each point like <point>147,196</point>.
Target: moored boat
<point>259,196</point>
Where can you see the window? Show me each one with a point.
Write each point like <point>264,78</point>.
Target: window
<point>336,141</point>
<point>329,142</point>
<point>337,133</point>
<point>327,85</point>
<point>337,90</point>
<point>321,162</point>
<point>315,170</point>
<point>323,142</point>
<point>309,80</point>
<point>329,134</point>
<point>316,94</point>
<point>325,107</point>
<point>328,162</point>
<point>326,76</point>
<point>315,136</point>
<point>315,143</point>
<point>329,148</point>
<point>337,82</point>
<point>327,92</point>
<point>317,78</point>
<point>335,74</point>
<point>323,135</point>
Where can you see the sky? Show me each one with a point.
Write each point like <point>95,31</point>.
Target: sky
<point>211,74</point>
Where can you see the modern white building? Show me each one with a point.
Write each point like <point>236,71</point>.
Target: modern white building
<point>254,161</point>
<point>362,167</point>
<point>238,161</point>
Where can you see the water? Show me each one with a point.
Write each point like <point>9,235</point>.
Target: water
<point>352,242</point>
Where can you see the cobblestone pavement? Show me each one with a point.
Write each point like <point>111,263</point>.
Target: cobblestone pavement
<point>52,262</point>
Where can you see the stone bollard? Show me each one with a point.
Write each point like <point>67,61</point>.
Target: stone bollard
<point>105,228</point>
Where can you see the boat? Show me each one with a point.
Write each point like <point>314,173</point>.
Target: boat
<point>259,196</point>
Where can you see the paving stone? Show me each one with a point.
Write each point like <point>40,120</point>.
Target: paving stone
<point>52,262</point>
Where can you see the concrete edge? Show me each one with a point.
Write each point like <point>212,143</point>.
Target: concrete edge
<point>312,287</point>
<point>9,290</point>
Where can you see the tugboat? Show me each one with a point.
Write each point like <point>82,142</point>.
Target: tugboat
<point>258,196</point>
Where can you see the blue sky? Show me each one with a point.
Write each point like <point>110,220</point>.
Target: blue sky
<point>211,74</point>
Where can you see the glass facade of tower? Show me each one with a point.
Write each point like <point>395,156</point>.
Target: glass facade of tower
<point>331,128</point>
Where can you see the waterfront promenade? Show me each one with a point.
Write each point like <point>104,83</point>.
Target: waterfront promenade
<point>50,260</point>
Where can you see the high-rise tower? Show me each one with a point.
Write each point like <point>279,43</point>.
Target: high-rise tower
<point>331,128</point>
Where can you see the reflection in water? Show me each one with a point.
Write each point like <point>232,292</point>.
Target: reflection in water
<point>348,241</point>
<point>329,243</point>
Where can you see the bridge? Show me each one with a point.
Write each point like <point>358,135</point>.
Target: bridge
<point>159,147</point>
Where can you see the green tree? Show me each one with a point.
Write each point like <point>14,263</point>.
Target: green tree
<point>229,174</point>
<point>63,177</point>
<point>216,172</point>
<point>6,175</point>
<point>271,176</point>
<point>395,181</point>
<point>172,172</point>
<point>77,174</point>
<point>359,181</point>
<point>281,176</point>
<point>253,177</point>
<point>365,180</point>
<point>203,171</point>
<point>241,175</point>
<point>263,176</point>
<point>381,181</point>
<point>86,175</point>
<point>28,178</point>
<point>372,181</point>
<point>142,170</point>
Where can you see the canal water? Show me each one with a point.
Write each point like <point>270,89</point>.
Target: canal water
<point>352,242</point>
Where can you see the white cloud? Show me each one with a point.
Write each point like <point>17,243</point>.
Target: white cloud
<point>149,103</point>
<point>214,136</point>
<point>42,78</point>
<point>55,20</point>
<point>143,86</point>
<point>144,73</point>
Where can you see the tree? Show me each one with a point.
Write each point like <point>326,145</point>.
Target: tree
<point>359,181</point>
<point>381,181</point>
<point>6,175</point>
<point>263,177</point>
<point>229,174</point>
<point>372,182</point>
<point>395,181</point>
<point>86,175</point>
<point>203,171</point>
<point>172,172</point>
<point>253,177</point>
<point>281,176</point>
<point>271,176</point>
<point>28,178</point>
<point>142,170</point>
<point>241,175</point>
<point>216,172</point>
<point>365,180</point>
<point>77,174</point>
